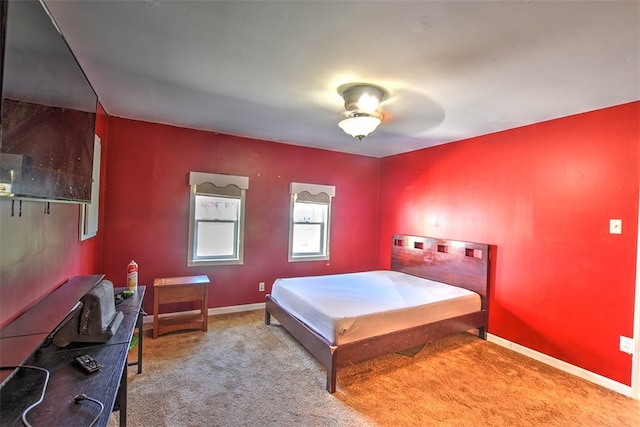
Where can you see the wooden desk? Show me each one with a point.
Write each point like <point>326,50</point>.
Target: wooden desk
<point>108,385</point>
<point>180,289</point>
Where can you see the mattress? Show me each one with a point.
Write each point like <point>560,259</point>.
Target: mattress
<point>349,307</point>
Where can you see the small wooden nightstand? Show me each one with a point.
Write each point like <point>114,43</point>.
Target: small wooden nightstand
<point>180,289</point>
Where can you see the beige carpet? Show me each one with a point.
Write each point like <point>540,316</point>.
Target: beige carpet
<point>244,373</point>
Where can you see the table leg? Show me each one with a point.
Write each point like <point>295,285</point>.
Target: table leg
<point>140,326</point>
<point>205,309</point>
<point>156,307</point>
<point>122,397</point>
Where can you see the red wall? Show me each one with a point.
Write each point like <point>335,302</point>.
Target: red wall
<point>40,252</point>
<point>543,196</point>
<point>147,206</point>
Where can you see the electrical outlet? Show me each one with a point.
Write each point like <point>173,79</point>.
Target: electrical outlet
<point>615,226</point>
<point>261,286</point>
<point>626,344</point>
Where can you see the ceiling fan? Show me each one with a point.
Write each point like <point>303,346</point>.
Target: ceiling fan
<point>362,102</point>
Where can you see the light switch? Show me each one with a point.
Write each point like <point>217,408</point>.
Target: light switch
<point>615,226</point>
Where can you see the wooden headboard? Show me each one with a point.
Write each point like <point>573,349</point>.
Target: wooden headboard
<point>457,263</point>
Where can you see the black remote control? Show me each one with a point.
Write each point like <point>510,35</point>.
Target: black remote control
<point>88,363</point>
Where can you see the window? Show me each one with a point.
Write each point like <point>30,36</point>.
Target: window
<point>216,219</point>
<point>309,229</point>
<point>89,212</point>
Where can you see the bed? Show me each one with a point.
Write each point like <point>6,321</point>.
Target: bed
<point>434,288</point>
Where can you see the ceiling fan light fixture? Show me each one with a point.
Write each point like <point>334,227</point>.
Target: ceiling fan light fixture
<point>361,125</point>
<point>362,102</point>
<point>362,97</point>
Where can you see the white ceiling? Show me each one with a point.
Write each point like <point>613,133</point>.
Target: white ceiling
<point>270,69</point>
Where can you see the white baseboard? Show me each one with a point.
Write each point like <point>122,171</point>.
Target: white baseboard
<point>563,366</point>
<point>237,308</point>
<point>148,319</point>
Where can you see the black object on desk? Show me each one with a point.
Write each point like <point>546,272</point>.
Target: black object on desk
<point>88,363</point>
<point>67,381</point>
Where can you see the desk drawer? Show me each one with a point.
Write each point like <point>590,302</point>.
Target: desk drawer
<point>178,293</point>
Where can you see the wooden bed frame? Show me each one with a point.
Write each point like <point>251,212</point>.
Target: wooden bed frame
<point>462,264</point>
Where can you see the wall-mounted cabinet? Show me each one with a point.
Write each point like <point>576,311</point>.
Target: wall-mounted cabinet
<point>48,110</point>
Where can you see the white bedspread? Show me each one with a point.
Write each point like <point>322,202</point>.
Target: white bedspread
<point>350,307</point>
